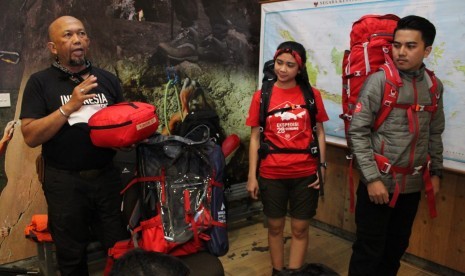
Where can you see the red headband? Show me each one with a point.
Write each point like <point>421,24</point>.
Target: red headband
<point>292,52</point>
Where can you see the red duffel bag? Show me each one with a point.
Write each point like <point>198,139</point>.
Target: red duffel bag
<point>123,124</point>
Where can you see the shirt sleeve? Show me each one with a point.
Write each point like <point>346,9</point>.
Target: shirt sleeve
<point>253,117</point>
<point>359,133</point>
<point>33,103</point>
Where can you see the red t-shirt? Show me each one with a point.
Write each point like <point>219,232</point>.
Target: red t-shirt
<point>290,129</point>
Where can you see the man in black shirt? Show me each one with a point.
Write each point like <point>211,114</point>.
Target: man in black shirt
<point>80,182</point>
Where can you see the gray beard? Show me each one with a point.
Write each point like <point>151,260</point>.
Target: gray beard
<point>77,62</point>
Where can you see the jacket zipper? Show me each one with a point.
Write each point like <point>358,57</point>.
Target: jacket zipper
<point>416,128</point>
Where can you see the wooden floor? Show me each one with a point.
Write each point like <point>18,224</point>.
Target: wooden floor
<point>248,254</point>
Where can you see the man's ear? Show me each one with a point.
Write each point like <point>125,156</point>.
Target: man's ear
<point>428,51</point>
<point>51,46</point>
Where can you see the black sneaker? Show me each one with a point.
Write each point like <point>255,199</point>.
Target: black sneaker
<point>183,46</point>
<point>302,271</point>
<point>282,272</point>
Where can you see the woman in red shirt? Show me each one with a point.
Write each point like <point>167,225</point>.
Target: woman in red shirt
<point>287,179</point>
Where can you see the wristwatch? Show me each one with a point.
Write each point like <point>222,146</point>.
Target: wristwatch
<point>324,165</point>
<point>436,172</point>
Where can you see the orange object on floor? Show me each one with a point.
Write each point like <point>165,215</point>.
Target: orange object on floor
<point>37,230</point>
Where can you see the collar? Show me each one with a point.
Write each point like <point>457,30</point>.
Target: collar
<point>414,74</point>
<point>76,77</point>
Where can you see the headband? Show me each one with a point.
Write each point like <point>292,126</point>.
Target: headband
<point>292,52</point>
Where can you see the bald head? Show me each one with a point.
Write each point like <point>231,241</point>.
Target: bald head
<point>59,24</point>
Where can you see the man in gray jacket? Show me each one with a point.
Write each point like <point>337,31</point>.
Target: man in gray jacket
<point>387,198</point>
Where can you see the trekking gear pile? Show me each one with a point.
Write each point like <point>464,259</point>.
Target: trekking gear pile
<point>180,208</point>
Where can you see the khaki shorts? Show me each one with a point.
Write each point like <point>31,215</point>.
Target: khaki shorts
<point>278,194</point>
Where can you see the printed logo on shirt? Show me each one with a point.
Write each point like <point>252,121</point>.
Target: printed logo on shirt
<point>289,124</point>
<point>89,107</point>
<point>358,107</point>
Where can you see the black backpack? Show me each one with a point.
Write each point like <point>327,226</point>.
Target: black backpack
<point>266,146</point>
<point>201,112</point>
<point>179,183</point>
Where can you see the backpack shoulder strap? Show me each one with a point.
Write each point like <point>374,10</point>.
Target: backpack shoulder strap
<point>311,106</point>
<point>269,78</point>
<point>391,93</point>
<point>433,86</point>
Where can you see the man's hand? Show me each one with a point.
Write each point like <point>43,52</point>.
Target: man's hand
<point>80,94</point>
<point>436,181</point>
<point>377,192</point>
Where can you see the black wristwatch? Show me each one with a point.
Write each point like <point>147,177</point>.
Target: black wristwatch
<point>436,172</point>
<point>324,165</point>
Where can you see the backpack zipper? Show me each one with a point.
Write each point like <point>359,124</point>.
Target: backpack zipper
<point>112,126</point>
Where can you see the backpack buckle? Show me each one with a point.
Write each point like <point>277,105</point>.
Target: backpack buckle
<point>386,168</point>
<point>392,93</point>
<point>416,170</point>
<point>314,149</point>
<point>419,107</point>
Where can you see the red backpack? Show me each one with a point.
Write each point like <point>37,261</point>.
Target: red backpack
<point>370,51</point>
<point>370,47</point>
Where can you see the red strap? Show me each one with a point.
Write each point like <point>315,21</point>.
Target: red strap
<point>217,223</point>
<point>429,191</point>
<point>395,195</point>
<point>434,86</point>
<point>187,206</point>
<point>144,225</point>
<point>384,166</point>
<point>391,90</point>
<point>141,179</point>
<point>433,90</point>
<point>204,236</point>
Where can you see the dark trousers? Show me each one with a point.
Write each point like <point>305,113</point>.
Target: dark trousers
<point>383,233</point>
<point>81,207</point>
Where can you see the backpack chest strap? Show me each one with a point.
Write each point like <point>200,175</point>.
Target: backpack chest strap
<point>391,94</point>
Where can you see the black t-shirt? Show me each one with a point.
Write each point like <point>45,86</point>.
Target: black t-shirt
<point>71,148</point>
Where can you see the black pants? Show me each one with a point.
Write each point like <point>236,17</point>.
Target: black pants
<point>383,233</point>
<point>79,209</point>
